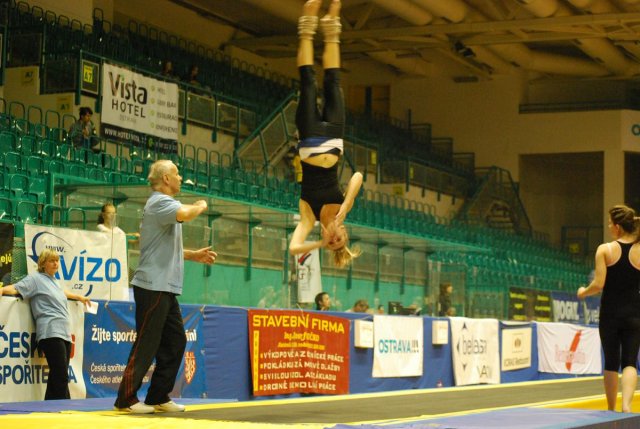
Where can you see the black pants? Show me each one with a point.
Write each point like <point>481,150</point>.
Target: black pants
<point>309,120</point>
<point>620,338</point>
<point>58,353</point>
<point>161,337</point>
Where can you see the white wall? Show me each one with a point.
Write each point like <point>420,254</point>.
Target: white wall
<point>484,118</point>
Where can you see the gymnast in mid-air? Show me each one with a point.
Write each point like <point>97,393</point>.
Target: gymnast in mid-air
<point>320,144</point>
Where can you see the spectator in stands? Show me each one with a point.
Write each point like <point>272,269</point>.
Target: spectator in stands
<point>156,284</point>
<point>617,276</point>
<point>323,301</point>
<point>167,70</point>
<point>321,143</point>
<point>48,301</point>
<point>83,133</point>
<point>380,309</point>
<point>360,306</point>
<point>107,221</point>
<point>445,308</point>
<point>193,75</point>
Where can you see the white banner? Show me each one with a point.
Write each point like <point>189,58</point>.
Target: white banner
<point>92,263</point>
<point>137,102</point>
<point>516,348</point>
<point>309,277</point>
<point>565,348</point>
<point>23,370</point>
<point>475,350</point>
<point>398,346</point>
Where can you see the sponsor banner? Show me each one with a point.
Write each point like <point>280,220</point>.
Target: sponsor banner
<point>529,304</point>
<point>130,137</point>
<point>191,380</point>
<point>568,349</point>
<point>6,252</point>
<point>298,351</point>
<point>23,368</point>
<point>92,263</point>
<point>516,348</point>
<point>591,310</point>
<point>113,329</point>
<point>567,308</point>
<point>398,346</point>
<point>475,350</point>
<point>140,103</point>
<point>309,276</point>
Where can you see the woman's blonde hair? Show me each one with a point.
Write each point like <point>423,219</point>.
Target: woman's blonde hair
<point>44,256</point>
<point>343,256</point>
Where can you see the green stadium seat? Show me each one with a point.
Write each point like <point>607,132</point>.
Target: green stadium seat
<point>6,208</point>
<point>38,187</point>
<point>97,174</point>
<point>8,141</point>
<point>54,167</point>
<point>28,145</point>
<point>27,212</point>
<point>35,166</point>
<point>12,162</point>
<point>18,184</point>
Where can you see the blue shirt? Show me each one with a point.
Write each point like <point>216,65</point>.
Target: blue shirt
<point>161,266</point>
<point>48,305</point>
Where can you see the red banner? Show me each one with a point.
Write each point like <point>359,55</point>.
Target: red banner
<point>298,351</point>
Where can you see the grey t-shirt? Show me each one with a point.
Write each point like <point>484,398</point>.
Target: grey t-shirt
<point>161,266</point>
<point>48,305</point>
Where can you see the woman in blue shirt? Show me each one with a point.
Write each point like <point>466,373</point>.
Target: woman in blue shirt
<point>48,301</point>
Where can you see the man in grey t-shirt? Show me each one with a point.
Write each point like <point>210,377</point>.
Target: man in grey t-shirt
<point>156,284</point>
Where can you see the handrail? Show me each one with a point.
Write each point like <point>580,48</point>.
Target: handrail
<point>276,111</point>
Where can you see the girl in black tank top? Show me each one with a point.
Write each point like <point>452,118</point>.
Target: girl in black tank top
<point>620,295</point>
<point>619,324</point>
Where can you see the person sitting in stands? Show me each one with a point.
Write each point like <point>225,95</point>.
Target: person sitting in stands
<point>323,301</point>
<point>83,133</point>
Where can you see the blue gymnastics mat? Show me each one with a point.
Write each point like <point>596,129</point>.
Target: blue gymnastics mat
<point>521,418</point>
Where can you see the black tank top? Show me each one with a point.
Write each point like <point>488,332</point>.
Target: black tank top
<point>621,293</point>
<point>320,186</point>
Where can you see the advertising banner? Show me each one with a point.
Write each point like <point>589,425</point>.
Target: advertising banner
<point>6,252</point>
<point>92,263</point>
<point>139,103</point>
<point>398,346</point>
<point>568,349</point>
<point>309,276</point>
<point>113,329</point>
<point>23,369</point>
<point>516,347</point>
<point>475,351</point>
<point>567,308</point>
<point>298,351</point>
<point>591,309</point>
<point>529,304</point>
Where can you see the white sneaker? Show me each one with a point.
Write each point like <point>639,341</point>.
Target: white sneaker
<point>169,407</point>
<point>138,408</point>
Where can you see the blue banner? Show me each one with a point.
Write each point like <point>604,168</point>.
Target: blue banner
<point>591,306</point>
<point>109,336</point>
<point>567,308</point>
